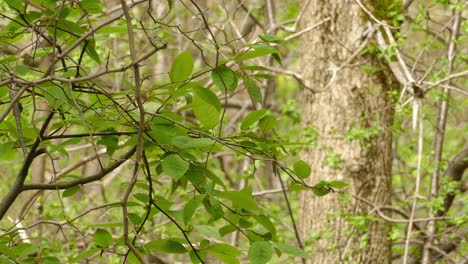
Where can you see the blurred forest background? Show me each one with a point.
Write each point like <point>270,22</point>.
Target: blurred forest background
<point>247,131</point>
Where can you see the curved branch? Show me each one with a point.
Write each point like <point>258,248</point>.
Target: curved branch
<point>80,181</point>
<point>17,187</point>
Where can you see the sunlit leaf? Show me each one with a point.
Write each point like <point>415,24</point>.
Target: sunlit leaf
<point>241,199</point>
<point>258,51</point>
<point>191,207</point>
<point>224,78</point>
<point>102,238</point>
<point>302,169</point>
<point>182,67</point>
<point>16,4</point>
<point>208,231</point>
<point>252,117</point>
<point>291,250</point>
<point>271,38</point>
<point>166,246</point>
<point>206,107</point>
<point>260,252</point>
<point>267,123</point>
<point>253,89</point>
<point>175,166</point>
<point>338,184</point>
<point>70,191</point>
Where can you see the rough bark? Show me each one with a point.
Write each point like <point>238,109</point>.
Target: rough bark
<point>356,99</point>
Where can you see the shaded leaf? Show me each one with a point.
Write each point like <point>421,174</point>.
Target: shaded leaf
<point>322,188</point>
<point>91,51</point>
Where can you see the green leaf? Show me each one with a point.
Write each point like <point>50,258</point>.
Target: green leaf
<point>194,258</point>
<point>224,252</point>
<point>291,250</point>
<point>253,89</point>
<point>91,51</point>
<point>175,166</point>
<point>86,254</point>
<point>112,29</point>
<point>258,51</point>
<point>182,67</point>
<point>166,246</point>
<point>213,206</point>
<point>91,6</point>
<point>322,188</point>
<point>225,249</point>
<point>111,143</point>
<point>191,207</point>
<point>102,238</point>
<point>271,38</point>
<point>25,249</point>
<point>58,97</point>
<point>227,229</point>
<point>302,169</point>
<point>208,231</point>
<point>50,260</point>
<point>70,27</point>
<point>16,4</point>
<point>266,223</point>
<point>277,58</point>
<point>223,78</point>
<point>142,197</point>
<point>7,151</point>
<point>227,259</point>
<point>260,252</point>
<point>252,117</point>
<point>134,218</point>
<point>294,187</point>
<point>338,184</point>
<point>70,191</point>
<point>184,142</point>
<point>253,68</point>
<point>267,123</point>
<point>241,199</point>
<point>206,107</point>
<point>164,134</point>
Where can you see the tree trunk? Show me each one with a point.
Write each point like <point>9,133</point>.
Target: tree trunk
<point>342,230</point>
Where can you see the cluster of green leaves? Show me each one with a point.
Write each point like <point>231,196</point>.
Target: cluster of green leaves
<point>183,129</point>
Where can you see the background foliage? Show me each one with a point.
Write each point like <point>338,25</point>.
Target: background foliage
<point>167,131</point>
